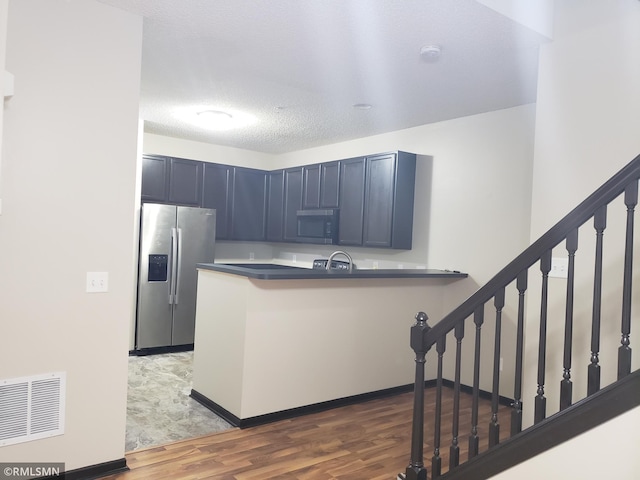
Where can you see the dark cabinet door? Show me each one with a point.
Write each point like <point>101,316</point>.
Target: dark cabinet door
<point>275,206</point>
<point>311,195</point>
<point>352,178</point>
<point>248,210</point>
<point>155,178</point>
<point>292,202</point>
<point>389,192</point>
<point>185,182</point>
<point>403,201</point>
<point>216,193</point>
<point>379,192</point>
<point>374,196</point>
<point>330,185</point>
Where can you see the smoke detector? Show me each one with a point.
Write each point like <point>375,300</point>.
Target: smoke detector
<point>430,53</point>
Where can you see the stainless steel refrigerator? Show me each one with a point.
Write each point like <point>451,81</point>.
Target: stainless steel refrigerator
<point>173,240</point>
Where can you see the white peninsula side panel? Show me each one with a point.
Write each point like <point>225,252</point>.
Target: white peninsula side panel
<point>218,358</point>
<point>264,346</point>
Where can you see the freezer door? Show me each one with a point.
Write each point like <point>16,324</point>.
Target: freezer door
<point>196,241</point>
<point>154,312</point>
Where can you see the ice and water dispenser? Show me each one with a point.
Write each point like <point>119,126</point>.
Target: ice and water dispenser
<point>158,268</point>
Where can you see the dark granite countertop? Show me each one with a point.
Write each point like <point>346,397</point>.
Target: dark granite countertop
<point>268,271</point>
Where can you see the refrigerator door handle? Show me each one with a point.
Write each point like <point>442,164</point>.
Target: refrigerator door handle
<point>174,260</point>
<point>178,268</point>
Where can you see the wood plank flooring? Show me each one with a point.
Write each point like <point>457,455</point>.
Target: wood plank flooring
<point>367,441</point>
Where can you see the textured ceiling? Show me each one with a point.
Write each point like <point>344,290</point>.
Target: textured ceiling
<point>299,66</point>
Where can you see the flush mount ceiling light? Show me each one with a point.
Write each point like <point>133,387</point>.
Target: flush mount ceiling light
<point>215,119</point>
<point>362,106</point>
<point>430,53</point>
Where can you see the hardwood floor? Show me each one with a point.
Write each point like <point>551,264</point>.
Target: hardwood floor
<point>367,441</point>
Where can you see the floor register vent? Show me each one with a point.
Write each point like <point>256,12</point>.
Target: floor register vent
<point>32,408</point>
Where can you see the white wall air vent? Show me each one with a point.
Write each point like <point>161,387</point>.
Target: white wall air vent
<point>32,408</point>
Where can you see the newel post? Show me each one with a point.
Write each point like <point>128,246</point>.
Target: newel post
<point>416,469</point>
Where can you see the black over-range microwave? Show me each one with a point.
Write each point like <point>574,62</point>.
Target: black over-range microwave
<point>318,226</point>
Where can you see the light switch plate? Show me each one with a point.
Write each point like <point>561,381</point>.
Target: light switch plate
<point>559,267</point>
<point>97,282</point>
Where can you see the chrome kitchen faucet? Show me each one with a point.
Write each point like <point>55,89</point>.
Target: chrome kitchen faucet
<point>339,252</point>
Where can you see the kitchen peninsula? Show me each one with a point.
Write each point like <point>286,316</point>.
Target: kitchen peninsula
<point>274,341</point>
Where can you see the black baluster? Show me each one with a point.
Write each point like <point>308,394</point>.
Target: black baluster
<point>541,401</point>
<point>454,450</point>
<point>474,439</point>
<point>516,413</point>
<point>566,386</point>
<point>593,372</point>
<point>494,426</point>
<point>436,461</point>
<point>416,469</point>
<point>624,352</point>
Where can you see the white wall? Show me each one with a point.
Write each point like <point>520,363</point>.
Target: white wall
<point>537,15</point>
<point>587,455</point>
<point>206,152</point>
<point>588,114</point>
<point>68,183</point>
<point>4,12</point>
<point>587,124</point>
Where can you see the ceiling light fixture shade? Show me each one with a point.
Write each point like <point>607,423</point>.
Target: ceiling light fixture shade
<point>362,106</point>
<point>215,119</point>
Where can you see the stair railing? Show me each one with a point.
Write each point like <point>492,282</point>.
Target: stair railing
<point>423,337</point>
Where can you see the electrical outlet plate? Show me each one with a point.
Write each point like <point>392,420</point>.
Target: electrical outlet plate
<point>559,267</point>
<point>97,282</point>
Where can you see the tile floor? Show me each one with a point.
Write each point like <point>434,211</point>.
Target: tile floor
<point>159,409</point>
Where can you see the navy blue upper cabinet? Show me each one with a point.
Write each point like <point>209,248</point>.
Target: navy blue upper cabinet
<point>351,214</point>
<point>155,178</point>
<point>376,200</point>
<point>388,203</point>
<point>171,180</point>
<point>321,187</point>
<point>379,192</point>
<point>217,194</point>
<point>374,196</point>
<point>248,208</point>
<point>275,206</point>
<point>185,182</point>
<point>311,187</point>
<point>330,185</point>
<point>292,202</point>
